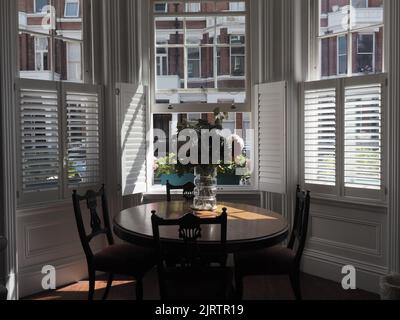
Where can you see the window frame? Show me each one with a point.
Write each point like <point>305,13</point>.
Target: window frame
<point>199,107</point>
<point>340,192</point>
<point>369,53</point>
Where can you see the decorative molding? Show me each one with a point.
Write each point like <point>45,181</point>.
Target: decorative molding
<point>346,246</point>
<point>329,266</point>
<point>8,63</point>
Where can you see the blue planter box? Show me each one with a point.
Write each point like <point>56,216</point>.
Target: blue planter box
<point>176,180</point>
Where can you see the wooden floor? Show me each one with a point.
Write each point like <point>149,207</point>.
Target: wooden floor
<point>256,288</point>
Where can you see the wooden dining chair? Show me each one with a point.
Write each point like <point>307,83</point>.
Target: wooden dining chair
<point>188,190</point>
<point>3,289</point>
<point>192,277</point>
<point>115,259</point>
<point>278,260</point>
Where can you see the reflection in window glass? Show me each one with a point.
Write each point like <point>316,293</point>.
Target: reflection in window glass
<point>360,21</point>
<point>52,51</point>
<point>204,52</point>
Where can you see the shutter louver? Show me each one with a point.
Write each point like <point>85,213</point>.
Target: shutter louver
<point>363,137</point>
<point>271,121</point>
<point>132,115</point>
<point>83,137</point>
<point>39,129</point>
<point>320,137</point>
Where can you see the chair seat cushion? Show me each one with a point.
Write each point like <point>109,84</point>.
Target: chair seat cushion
<point>210,283</point>
<point>275,260</point>
<point>125,259</point>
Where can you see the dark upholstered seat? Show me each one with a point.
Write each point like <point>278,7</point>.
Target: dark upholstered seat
<point>124,259</point>
<point>275,260</point>
<point>121,259</point>
<point>278,260</point>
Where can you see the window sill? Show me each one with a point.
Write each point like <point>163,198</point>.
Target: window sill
<point>349,202</point>
<point>161,190</point>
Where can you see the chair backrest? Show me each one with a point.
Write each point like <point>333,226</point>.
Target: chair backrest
<point>298,237</point>
<point>189,253</point>
<point>91,199</point>
<point>188,190</point>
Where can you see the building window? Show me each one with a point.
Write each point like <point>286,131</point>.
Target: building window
<point>238,57</point>
<point>206,57</point>
<point>40,5</point>
<point>71,8</point>
<point>160,7</point>
<point>59,54</point>
<point>41,54</point>
<point>193,64</point>
<point>193,7</point>
<point>342,55</point>
<point>365,53</point>
<point>162,62</point>
<point>351,30</point>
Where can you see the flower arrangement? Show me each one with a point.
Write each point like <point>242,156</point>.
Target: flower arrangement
<point>170,164</point>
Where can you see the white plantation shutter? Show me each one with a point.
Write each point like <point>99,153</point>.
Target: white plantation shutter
<point>39,140</point>
<point>320,136</point>
<point>363,136</point>
<point>132,127</point>
<point>83,135</point>
<point>59,139</point>
<point>271,122</point>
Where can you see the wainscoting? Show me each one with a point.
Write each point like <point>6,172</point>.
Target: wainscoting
<point>347,234</point>
<point>48,236</point>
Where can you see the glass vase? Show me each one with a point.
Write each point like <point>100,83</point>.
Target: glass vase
<point>205,192</point>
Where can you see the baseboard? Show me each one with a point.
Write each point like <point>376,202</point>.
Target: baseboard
<point>68,271</point>
<point>330,267</point>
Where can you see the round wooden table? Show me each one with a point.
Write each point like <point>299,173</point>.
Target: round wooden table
<point>248,227</point>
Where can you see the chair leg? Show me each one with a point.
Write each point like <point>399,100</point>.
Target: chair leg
<point>239,285</point>
<point>139,289</point>
<point>92,283</point>
<point>109,284</point>
<point>295,282</point>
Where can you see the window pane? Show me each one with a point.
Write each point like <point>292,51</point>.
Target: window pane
<point>366,13</point>
<point>329,57</point>
<point>35,57</point>
<point>170,7</point>
<point>72,9</point>
<point>167,123</point>
<point>40,4</point>
<point>68,60</point>
<point>169,31</point>
<point>334,16</point>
